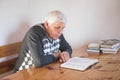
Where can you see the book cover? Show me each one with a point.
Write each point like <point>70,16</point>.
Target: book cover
<point>110,43</point>
<point>111,40</point>
<point>94,45</point>
<point>78,63</point>
<point>93,50</point>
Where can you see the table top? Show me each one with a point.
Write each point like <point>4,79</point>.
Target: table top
<point>108,68</point>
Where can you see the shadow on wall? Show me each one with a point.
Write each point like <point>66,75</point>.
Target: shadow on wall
<point>19,33</point>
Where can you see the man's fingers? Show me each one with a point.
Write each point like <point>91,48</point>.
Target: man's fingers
<point>60,60</point>
<point>64,56</point>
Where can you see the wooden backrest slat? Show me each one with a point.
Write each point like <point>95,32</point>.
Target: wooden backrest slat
<point>8,56</point>
<point>9,49</point>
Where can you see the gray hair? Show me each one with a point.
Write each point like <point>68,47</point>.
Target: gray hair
<point>54,16</point>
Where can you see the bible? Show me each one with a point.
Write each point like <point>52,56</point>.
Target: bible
<point>78,63</point>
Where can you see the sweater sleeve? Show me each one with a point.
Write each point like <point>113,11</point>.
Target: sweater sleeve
<point>36,49</point>
<point>64,45</point>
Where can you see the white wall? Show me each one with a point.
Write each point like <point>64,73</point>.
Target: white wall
<point>13,20</point>
<point>88,20</point>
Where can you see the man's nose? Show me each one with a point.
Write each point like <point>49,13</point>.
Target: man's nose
<point>60,31</point>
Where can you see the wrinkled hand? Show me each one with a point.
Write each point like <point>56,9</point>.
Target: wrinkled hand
<point>56,54</point>
<point>64,56</point>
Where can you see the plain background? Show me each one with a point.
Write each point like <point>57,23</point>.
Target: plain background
<point>87,20</point>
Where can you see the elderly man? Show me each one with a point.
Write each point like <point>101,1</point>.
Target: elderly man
<point>44,43</point>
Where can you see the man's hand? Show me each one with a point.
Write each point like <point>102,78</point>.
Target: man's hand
<point>56,54</point>
<point>64,56</point>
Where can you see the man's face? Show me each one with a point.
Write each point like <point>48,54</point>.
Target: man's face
<point>55,30</point>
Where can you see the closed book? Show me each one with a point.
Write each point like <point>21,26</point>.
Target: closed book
<point>109,52</point>
<point>111,40</point>
<point>93,50</point>
<point>109,45</point>
<point>94,45</point>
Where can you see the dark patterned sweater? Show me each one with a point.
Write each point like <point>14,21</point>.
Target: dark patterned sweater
<point>39,47</point>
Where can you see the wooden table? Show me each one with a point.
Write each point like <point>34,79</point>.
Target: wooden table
<point>107,69</point>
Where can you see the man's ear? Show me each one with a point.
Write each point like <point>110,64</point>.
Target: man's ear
<point>46,24</point>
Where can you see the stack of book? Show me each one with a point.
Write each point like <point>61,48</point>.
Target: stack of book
<point>110,46</point>
<point>94,47</point>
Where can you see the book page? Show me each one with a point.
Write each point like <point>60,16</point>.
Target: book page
<point>79,63</point>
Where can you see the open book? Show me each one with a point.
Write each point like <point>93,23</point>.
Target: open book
<point>78,63</point>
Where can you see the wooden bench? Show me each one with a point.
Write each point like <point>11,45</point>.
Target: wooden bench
<point>8,57</point>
